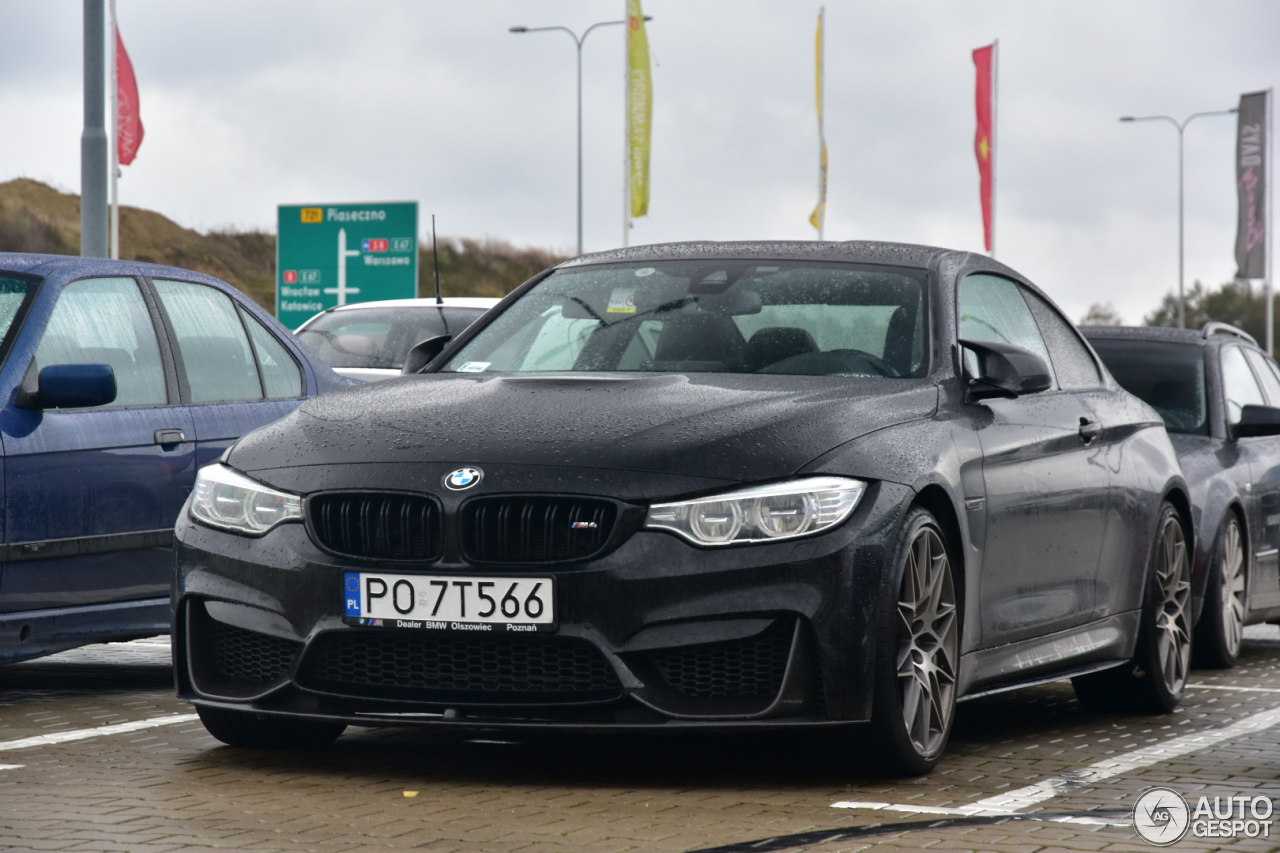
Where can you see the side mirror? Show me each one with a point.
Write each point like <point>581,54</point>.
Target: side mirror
<point>1256,421</point>
<point>1006,371</point>
<point>71,386</point>
<point>421,354</point>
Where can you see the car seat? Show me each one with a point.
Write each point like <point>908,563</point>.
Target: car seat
<point>901,350</point>
<point>773,344</point>
<point>709,339</point>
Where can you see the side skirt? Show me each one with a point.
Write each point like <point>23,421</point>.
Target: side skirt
<point>35,633</point>
<point>1097,645</point>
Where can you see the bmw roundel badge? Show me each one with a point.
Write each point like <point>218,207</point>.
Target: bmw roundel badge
<point>463,478</point>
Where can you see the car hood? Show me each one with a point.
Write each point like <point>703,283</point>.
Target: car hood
<point>737,428</point>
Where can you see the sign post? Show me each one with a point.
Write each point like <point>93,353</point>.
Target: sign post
<point>338,254</point>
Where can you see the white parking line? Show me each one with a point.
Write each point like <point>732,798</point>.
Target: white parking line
<point>1229,687</point>
<point>85,734</point>
<point>1012,801</point>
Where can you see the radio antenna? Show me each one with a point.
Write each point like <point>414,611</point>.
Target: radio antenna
<point>435,255</point>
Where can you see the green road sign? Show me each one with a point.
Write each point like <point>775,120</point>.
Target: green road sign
<point>337,254</point>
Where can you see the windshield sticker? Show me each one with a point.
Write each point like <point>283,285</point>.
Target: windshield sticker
<point>475,367</point>
<point>644,271</point>
<point>623,301</point>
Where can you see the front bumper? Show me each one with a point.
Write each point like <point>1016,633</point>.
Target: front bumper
<point>656,634</point>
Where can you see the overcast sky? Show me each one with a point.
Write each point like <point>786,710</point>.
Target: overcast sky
<point>251,104</point>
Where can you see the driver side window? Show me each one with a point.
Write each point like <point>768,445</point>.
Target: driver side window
<point>992,310</point>
<point>106,321</point>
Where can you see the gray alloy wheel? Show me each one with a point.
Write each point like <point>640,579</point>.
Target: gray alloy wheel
<point>928,643</point>
<point>1153,680</point>
<point>1231,571</point>
<point>1173,619</point>
<point>1221,627</point>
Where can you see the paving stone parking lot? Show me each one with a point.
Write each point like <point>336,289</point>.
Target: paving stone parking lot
<point>92,760</point>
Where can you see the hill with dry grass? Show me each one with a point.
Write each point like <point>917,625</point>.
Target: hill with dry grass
<point>35,217</point>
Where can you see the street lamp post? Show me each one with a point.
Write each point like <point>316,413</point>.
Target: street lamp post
<point>577,40</point>
<point>1181,126</point>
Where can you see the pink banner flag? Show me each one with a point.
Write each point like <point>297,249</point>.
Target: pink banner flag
<point>129,120</point>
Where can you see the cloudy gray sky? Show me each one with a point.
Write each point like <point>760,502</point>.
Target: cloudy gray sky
<point>253,103</point>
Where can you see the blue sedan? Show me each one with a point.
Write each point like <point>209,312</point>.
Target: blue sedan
<point>118,381</point>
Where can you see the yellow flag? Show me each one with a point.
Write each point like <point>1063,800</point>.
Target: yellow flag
<point>639,107</point>
<point>818,218</point>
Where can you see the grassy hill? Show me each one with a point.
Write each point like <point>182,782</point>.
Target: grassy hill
<point>35,217</point>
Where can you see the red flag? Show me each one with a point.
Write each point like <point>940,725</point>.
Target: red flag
<point>128,119</point>
<point>984,141</point>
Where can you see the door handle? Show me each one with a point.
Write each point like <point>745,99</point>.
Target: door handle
<point>1089,430</point>
<point>169,436</point>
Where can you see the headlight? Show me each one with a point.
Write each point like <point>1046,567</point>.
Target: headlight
<point>762,513</point>
<point>229,500</point>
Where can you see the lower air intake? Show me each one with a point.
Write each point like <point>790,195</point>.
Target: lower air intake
<point>742,669</point>
<point>250,656</point>
<point>411,666</point>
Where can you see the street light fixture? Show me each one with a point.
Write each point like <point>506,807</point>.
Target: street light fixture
<point>1181,126</point>
<point>577,40</point>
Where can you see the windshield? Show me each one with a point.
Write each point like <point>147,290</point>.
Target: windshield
<point>381,337</point>
<point>15,295</point>
<point>703,316</point>
<point>1168,377</point>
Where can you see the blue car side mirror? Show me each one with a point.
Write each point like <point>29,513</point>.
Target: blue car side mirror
<point>71,386</point>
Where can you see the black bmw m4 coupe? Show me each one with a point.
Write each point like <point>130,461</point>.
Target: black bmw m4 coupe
<point>701,486</point>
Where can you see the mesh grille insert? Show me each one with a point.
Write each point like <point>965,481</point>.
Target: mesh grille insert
<point>750,668</point>
<point>250,656</point>
<point>535,529</point>
<point>503,665</point>
<point>386,526</point>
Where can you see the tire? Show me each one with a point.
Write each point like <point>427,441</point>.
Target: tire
<point>247,729</point>
<point>1221,626</point>
<point>914,703</point>
<point>1153,681</point>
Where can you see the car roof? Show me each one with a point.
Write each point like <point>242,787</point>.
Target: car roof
<point>44,265</point>
<point>484,302</point>
<point>860,251</point>
<point>1211,333</point>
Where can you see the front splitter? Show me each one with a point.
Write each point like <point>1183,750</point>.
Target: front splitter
<point>471,724</point>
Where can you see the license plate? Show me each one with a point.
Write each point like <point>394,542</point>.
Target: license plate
<point>449,602</point>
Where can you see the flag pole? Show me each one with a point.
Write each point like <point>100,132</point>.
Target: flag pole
<point>995,134</point>
<point>822,138</point>
<point>114,143</point>
<point>626,127</point>
<point>1270,235</point>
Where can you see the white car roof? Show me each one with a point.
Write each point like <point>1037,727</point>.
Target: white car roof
<point>449,302</point>
<point>481,302</point>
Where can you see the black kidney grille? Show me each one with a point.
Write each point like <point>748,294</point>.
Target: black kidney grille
<point>750,668</point>
<point>535,529</point>
<point>386,526</point>
<point>250,656</point>
<point>401,663</point>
